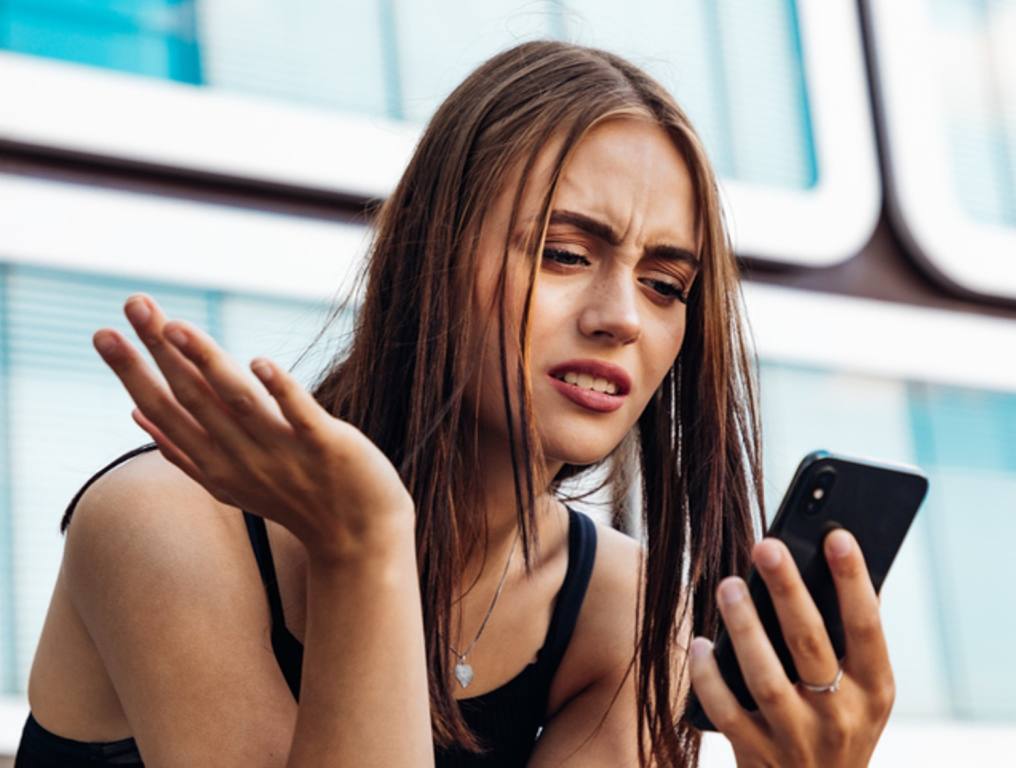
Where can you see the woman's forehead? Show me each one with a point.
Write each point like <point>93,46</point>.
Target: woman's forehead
<point>624,174</point>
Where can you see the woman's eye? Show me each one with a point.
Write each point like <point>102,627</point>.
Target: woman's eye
<point>566,258</point>
<point>668,290</point>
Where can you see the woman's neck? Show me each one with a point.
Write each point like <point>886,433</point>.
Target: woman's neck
<point>498,504</point>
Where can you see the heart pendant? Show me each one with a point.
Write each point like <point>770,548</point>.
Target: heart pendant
<point>464,674</point>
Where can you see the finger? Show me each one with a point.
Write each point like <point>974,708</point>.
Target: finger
<point>777,699</point>
<point>173,454</point>
<point>867,658</point>
<point>251,408</point>
<point>800,621</point>
<point>186,382</point>
<point>298,406</point>
<point>716,698</point>
<point>151,396</point>
<point>178,458</point>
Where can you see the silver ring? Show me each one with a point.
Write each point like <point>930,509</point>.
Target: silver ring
<point>831,687</point>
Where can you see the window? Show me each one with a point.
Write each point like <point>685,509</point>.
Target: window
<point>868,380</point>
<point>949,96</point>
<point>56,442</point>
<point>313,96</point>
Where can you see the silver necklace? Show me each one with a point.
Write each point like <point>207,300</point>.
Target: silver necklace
<point>464,670</point>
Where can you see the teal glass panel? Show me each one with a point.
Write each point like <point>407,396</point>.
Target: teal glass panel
<point>8,637</point>
<point>64,415</point>
<point>736,67</point>
<point>147,37</point>
<point>965,444</point>
<point>806,409</point>
<point>312,52</point>
<point>973,40</point>
<point>946,604</point>
<point>440,42</point>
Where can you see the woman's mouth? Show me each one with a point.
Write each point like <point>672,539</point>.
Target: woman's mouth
<point>592,393</point>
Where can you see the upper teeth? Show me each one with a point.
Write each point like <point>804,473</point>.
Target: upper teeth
<point>586,381</point>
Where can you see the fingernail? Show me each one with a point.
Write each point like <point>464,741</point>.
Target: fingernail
<point>138,311</point>
<point>769,555</point>
<point>839,543</point>
<point>177,336</point>
<point>731,592</point>
<point>700,647</point>
<point>105,343</point>
<point>262,369</point>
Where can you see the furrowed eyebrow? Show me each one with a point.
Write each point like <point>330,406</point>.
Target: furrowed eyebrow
<point>603,231</point>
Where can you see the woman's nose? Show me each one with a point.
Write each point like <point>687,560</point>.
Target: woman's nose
<point>610,310</point>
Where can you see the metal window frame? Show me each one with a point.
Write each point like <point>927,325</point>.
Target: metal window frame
<point>968,256</point>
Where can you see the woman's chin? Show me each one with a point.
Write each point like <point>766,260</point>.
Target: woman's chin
<point>579,452</point>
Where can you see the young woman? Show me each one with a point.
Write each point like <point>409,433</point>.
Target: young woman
<point>549,289</point>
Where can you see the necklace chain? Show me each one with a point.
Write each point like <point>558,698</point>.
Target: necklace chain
<point>497,593</point>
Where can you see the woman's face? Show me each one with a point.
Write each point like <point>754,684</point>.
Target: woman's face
<point>607,312</point>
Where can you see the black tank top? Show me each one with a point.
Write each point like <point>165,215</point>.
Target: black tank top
<point>507,719</point>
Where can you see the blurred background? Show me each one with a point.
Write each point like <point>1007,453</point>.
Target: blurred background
<point>218,155</point>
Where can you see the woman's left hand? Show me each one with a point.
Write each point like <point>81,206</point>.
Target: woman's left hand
<point>794,726</point>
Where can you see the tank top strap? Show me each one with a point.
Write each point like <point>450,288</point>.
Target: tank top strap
<point>258,534</point>
<point>581,554</point>
<point>287,649</point>
<point>66,519</point>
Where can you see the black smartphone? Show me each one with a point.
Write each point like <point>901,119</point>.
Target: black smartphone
<point>876,502</point>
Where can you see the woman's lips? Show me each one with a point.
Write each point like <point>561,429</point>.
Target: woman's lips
<point>588,398</point>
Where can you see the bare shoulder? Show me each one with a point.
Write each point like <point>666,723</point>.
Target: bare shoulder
<point>129,494</point>
<point>595,723</point>
<point>165,583</point>
<point>594,683</point>
<point>604,637</point>
<point>145,526</point>
<point>613,596</point>
<point>617,560</point>
<point>607,620</point>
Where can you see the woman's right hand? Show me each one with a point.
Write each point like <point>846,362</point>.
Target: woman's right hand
<point>271,450</point>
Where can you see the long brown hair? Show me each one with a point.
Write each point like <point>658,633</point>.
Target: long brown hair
<point>402,377</point>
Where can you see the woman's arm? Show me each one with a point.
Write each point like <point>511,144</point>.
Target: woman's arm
<point>272,450</point>
<point>363,693</point>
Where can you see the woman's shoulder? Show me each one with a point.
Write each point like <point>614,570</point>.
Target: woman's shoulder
<point>163,579</point>
<point>602,641</point>
<point>148,514</point>
<point>607,617</point>
<point>613,583</point>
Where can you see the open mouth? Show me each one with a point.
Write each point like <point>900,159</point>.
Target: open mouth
<point>586,396</point>
<point>589,382</point>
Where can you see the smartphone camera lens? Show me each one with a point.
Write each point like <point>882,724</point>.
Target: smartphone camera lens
<point>819,490</point>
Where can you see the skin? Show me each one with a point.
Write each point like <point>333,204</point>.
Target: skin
<point>593,299</point>
<point>266,446</point>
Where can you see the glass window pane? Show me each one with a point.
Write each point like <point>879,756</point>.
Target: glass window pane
<point>148,37</point>
<point>66,415</point>
<point>809,409</point>
<point>965,441</point>
<point>948,634</point>
<point>977,69</point>
<point>441,42</point>
<point>736,67</point>
<point>322,53</point>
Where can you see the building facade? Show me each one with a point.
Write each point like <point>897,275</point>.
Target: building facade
<point>218,155</point>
